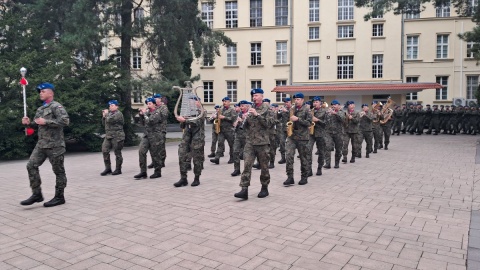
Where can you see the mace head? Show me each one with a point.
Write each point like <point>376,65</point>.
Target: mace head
<point>23,71</point>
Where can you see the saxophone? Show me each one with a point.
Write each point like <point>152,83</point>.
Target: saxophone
<point>290,123</point>
<point>312,126</point>
<point>217,121</point>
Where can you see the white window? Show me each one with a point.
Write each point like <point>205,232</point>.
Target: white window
<point>255,84</point>
<point>441,94</point>
<point>207,61</point>
<point>345,31</point>
<point>345,10</point>
<point>231,14</point>
<point>472,5</point>
<point>412,11</point>
<point>207,14</point>
<point>470,46</point>
<point>345,67</point>
<point>208,91</point>
<point>232,55</point>
<point>281,12</point>
<point>137,58</point>
<point>377,30</point>
<point>118,57</point>
<point>137,93</point>
<point>255,54</point>
<point>255,13</point>
<point>412,96</point>
<point>377,66</point>
<point>281,52</point>
<point>442,46</point>
<point>443,10</point>
<point>412,47</point>
<point>314,32</point>
<point>138,16</point>
<point>472,85</point>
<point>232,90</point>
<point>314,11</point>
<point>280,96</point>
<point>313,68</point>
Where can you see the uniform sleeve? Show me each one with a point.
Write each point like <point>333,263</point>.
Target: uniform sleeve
<point>230,115</point>
<point>305,118</point>
<point>61,118</point>
<point>356,118</point>
<point>320,115</point>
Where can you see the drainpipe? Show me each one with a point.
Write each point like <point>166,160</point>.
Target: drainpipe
<point>290,72</point>
<point>402,42</point>
<point>461,65</point>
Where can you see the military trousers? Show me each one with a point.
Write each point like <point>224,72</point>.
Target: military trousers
<point>213,148</point>
<point>320,141</point>
<point>37,158</point>
<point>238,147</point>
<point>302,146</point>
<point>333,142</point>
<point>152,144</point>
<point>311,143</point>
<point>162,153</point>
<point>116,146</point>
<point>366,135</point>
<point>229,136</point>
<point>352,138</point>
<point>397,126</point>
<point>387,131</point>
<point>188,151</point>
<point>282,137</point>
<point>251,152</point>
<point>434,124</point>
<point>273,146</point>
<point>377,137</point>
<point>409,124</point>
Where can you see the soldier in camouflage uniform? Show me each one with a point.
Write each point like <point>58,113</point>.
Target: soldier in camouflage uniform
<point>50,119</point>
<point>272,133</point>
<point>256,146</point>
<point>319,131</point>
<point>404,118</point>
<point>213,148</point>
<point>352,120</point>
<point>386,125</point>
<point>302,119</point>
<point>366,131</point>
<point>191,147</point>
<point>163,131</point>
<point>397,120</point>
<point>411,115</point>
<point>227,117</point>
<point>377,130</point>
<point>418,125</point>
<point>240,136</point>
<point>472,123</point>
<point>311,140</point>
<point>153,138</point>
<point>334,124</point>
<point>284,117</point>
<point>114,137</point>
<point>428,117</point>
<point>453,121</point>
<point>446,119</point>
<point>434,121</point>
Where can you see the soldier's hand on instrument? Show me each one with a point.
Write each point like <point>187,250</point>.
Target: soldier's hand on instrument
<point>221,116</point>
<point>293,118</point>
<point>350,116</point>
<point>314,119</point>
<point>25,121</point>
<point>180,119</point>
<point>40,121</point>
<point>104,112</point>
<point>253,111</point>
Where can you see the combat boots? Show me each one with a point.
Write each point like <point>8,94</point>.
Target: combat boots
<point>271,165</point>
<point>386,146</point>
<point>156,174</point>
<point>150,166</point>
<point>236,173</point>
<point>367,155</point>
<point>289,181</point>
<point>196,181</point>
<point>140,175</point>
<point>344,160</point>
<point>263,192</point>
<point>337,163</point>
<point>375,150</point>
<point>215,160</point>
<point>310,173</point>
<point>36,197</point>
<point>211,155</point>
<point>57,200</point>
<point>319,170</point>
<point>243,194</point>
<point>230,161</point>
<point>106,171</point>
<point>303,181</point>
<point>117,171</point>
<point>182,182</point>
<point>352,160</point>
<point>256,165</point>
<point>282,160</point>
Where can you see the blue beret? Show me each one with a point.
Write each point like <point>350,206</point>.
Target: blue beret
<point>225,98</point>
<point>374,102</point>
<point>298,95</point>
<point>350,102</point>
<point>275,105</point>
<point>216,107</point>
<point>256,91</point>
<point>243,102</point>
<point>266,100</point>
<point>157,96</point>
<point>335,102</point>
<point>150,99</point>
<point>317,98</point>
<point>308,103</point>
<point>113,101</point>
<point>287,99</point>
<point>45,85</point>
<point>364,105</point>
<point>428,105</point>
<point>236,105</point>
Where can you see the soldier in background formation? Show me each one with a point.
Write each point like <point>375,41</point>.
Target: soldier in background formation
<point>114,136</point>
<point>227,116</point>
<point>221,144</point>
<point>334,124</point>
<point>352,120</point>
<point>365,131</point>
<point>163,129</point>
<point>283,115</point>
<point>240,135</point>
<point>319,131</point>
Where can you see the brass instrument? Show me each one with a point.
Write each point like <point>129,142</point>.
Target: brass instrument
<point>375,110</point>
<point>387,112</point>
<point>290,123</point>
<point>312,126</point>
<point>217,122</point>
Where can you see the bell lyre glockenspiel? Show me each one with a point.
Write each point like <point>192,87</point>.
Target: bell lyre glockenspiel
<point>188,103</point>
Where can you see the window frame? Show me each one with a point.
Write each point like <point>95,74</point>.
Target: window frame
<point>314,10</point>
<point>255,53</point>
<point>345,10</point>
<point>377,30</point>
<point>136,58</point>
<point>377,66</point>
<point>231,14</point>
<point>281,53</point>
<point>208,87</point>
<point>232,90</point>
<point>232,55</point>
<point>442,93</point>
<point>313,68</point>
<point>281,12</point>
<point>470,88</point>
<point>413,95</point>
<point>207,13</point>
<point>345,31</point>
<point>312,34</point>
<point>412,48</point>
<point>279,96</point>
<point>345,67</point>
<point>442,46</point>
<point>256,13</point>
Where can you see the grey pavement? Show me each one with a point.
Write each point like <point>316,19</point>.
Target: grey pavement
<point>406,208</point>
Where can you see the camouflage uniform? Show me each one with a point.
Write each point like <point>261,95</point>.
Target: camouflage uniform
<point>411,116</point>
<point>226,131</point>
<point>428,117</point>
<point>192,146</point>
<point>351,134</point>
<point>377,133</point>
<point>452,125</point>
<point>446,113</point>
<point>239,144</point>
<point>397,120</point>
<point>221,144</point>
<point>299,141</point>
<point>472,124</point>
<point>319,135</point>
<point>418,125</point>
<point>434,121</point>
<point>387,129</point>
<point>114,137</point>
<point>153,139</point>
<point>163,152</point>
<point>334,124</point>
<point>50,144</point>
<point>272,133</point>
<point>257,145</point>
<point>366,132</point>
<point>284,117</point>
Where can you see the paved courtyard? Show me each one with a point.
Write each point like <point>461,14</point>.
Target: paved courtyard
<point>406,208</point>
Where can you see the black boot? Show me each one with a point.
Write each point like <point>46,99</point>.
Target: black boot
<point>380,146</point>
<point>156,174</point>
<point>106,171</point>
<point>289,181</point>
<point>230,161</point>
<point>263,192</point>
<point>57,200</point>
<point>359,156</point>
<point>327,165</point>
<point>303,181</point>
<point>256,166</point>
<point>375,150</point>
<point>196,181</point>
<point>243,194</point>
<point>117,171</point>
<point>271,165</point>
<point>211,155</point>
<point>215,160</point>
<point>36,197</point>
<point>182,182</point>
<point>386,146</point>
<point>310,173</point>
<point>352,160</point>
<point>367,155</point>
<point>337,163</point>
<point>282,160</point>
<point>319,170</point>
<point>344,160</point>
<point>140,175</point>
<point>150,166</point>
<point>236,173</point>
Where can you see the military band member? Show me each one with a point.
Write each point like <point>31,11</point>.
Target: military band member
<point>272,133</point>
<point>311,141</point>
<point>284,115</point>
<point>114,137</point>
<point>163,132</point>
<point>366,131</point>
<point>213,148</point>
<point>50,119</point>
<point>434,121</point>
<point>319,131</point>
<point>386,126</point>
<point>256,146</point>
<point>334,124</point>
<point>398,120</point>
<point>240,136</point>
<point>352,120</point>
<point>227,117</point>
<point>192,145</point>
<point>377,130</point>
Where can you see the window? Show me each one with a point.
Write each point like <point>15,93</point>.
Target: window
<point>280,96</point>
<point>281,12</point>
<point>255,13</point>
<point>207,61</point>
<point>232,90</point>
<point>345,67</point>
<point>232,55</point>
<point>412,11</point>
<point>472,85</point>
<point>208,91</point>
<point>207,14</point>
<point>441,94</point>
<point>377,66</point>
<point>345,31</point>
<point>345,10</point>
<point>314,11</point>
<point>313,68</point>
<point>117,18</point>
<point>137,93</point>
<point>377,30</point>
<point>281,52</point>
<point>443,10</point>
<point>137,58</point>
<point>314,32</point>
<point>118,57</point>
<point>255,54</point>
<point>412,47</point>
<point>412,96</point>
<point>442,46</point>
<point>470,46</point>
<point>472,5</point>
<point>255,84</point>
<point>138,16</point>
<point>231,14</point>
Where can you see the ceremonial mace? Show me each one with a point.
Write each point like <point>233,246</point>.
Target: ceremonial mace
<point>28,131</point>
